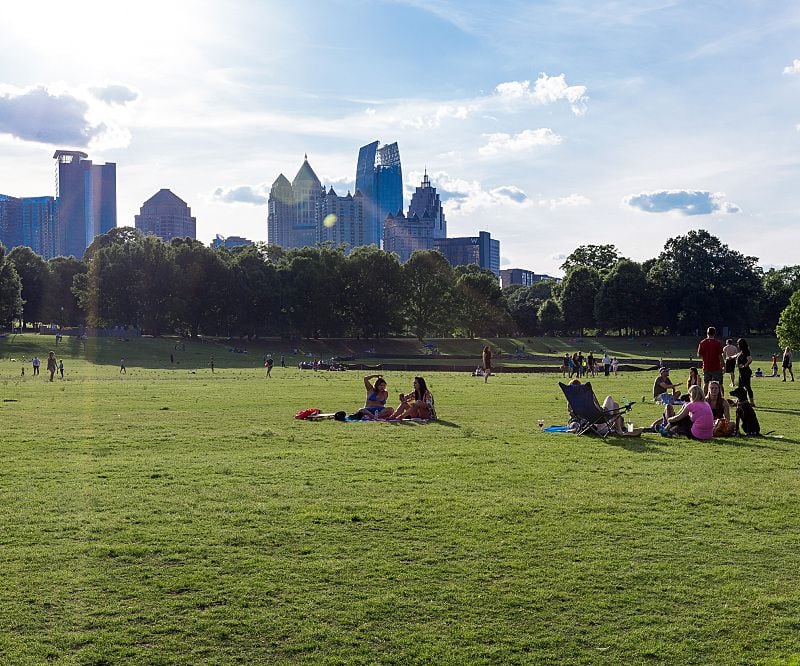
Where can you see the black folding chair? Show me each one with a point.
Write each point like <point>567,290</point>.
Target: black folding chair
<point>585,408</point>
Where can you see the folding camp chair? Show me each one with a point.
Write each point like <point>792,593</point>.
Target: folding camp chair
<point>587,411</point>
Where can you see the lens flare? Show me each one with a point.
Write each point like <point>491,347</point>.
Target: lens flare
<point>329,221</point>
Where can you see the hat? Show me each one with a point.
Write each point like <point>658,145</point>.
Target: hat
<point>663,369</point>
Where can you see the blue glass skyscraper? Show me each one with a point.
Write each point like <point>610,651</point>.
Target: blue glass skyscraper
<point>379,178</point>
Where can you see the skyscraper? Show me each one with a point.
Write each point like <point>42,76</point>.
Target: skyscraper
<point>379,178</point>
<point>293,217</point>
<point>39,225</point>
<point>29,221</point>
<point>10,221</point>
<point>280,213</point>
<point>167,216</point>
<point>481,250</point>
<point>343,219</point>
<point>87,200</point>
<point>424,223</point>
<point>308,193</point>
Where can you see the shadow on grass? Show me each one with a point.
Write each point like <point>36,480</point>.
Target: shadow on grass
<point>449,424</point>
<point>775,410</point>
<point>638,444</point>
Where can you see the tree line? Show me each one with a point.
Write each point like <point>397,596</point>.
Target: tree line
<point>127,279</point>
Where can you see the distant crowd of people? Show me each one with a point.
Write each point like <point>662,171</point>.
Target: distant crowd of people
<point>578,365</point>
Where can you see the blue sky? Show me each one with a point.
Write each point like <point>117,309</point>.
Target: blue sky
<point>549,124</point>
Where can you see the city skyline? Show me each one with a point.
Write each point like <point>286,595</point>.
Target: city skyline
<point>547,124</point>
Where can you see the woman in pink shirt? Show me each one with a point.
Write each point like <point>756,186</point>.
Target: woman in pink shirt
<point>695,420</point>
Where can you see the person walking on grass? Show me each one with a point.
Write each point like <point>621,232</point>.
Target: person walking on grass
<point>268,363</point>
<point>122,369</point>
<point>774,365</point>
<point>61,368</point>
<point>787,363</point>
<point>212,365</point>
<point>52,364</point>
<point>710,350</point>
<point>486,363</point>
<point>36,363</point>
<point>730,351</point>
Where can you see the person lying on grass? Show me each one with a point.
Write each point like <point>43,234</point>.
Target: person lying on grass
<point>695,420</point>
<point>609,404</point>
<point>416,405</point>
<point>375,403</point>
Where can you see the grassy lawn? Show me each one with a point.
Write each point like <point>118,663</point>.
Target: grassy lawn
<point>175,516</point>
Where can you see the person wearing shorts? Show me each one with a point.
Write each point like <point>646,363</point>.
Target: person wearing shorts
<point>710,350</point>
<point>730,350</point>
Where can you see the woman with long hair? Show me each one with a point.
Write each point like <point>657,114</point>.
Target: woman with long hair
<point>375,402</point>
<point>719,406</point>
<point>695,420</point>
<point>743,361</point>
<point>416,405</point>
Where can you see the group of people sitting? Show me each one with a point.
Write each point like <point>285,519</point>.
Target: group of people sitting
<point>417,404</point>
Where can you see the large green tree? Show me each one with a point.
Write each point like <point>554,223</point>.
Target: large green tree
<point>61,303</point>
<point>427,294</point>
<point>578,293</point>
<point>702,282</point>
<point>779,285</point>
<point>551,320</point>
<point>372,280</point>
<point>622,301</point>
<point>788,330</point>
<point>10,290</point>
<point>523,303</point>
<point>600,257</point>
<point>34,277</point>
<point>202,282</point>
<point>480,305</point>
<point>257,294</point>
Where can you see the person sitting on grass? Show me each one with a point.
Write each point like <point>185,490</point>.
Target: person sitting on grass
<point>695,420</point>
<point>375,404</point>
<point>693,380</point>
<point>609,404</point>
<point>416,405</point>
<point>663,384</point>
<point>715,398</point>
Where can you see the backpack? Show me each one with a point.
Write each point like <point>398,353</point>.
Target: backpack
<point>747,416</point>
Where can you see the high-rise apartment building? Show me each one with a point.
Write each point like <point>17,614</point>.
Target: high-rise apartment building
<point>29,221</point>
<point>379,178</point>
<point>293,218</point>
<point>425,222</point>
<point>87,200</point>
<point>10,222</point>
<point>481,250</point>
<point>167,216</point>
<point>39,225</point>
<point>343,220</point>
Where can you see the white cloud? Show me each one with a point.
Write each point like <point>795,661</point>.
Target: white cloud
<point>114,93</point>
<point>546,90</point>
<point>500,143</point>
<point>560,256</point>
<point>59,117</point>
<point>257,196</point>
<point>794,68</point>
<point>466,196</point>
<point>685,202</point>
<point>565,202</point>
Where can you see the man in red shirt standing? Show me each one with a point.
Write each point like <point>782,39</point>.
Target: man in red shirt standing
<point>710,350</point>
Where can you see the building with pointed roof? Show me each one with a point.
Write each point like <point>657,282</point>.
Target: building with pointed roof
<point>425,222</point>
<point>167,216</point>
<point>293,209</point>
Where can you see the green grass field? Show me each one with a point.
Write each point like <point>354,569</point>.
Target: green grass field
<point>175,516</point>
